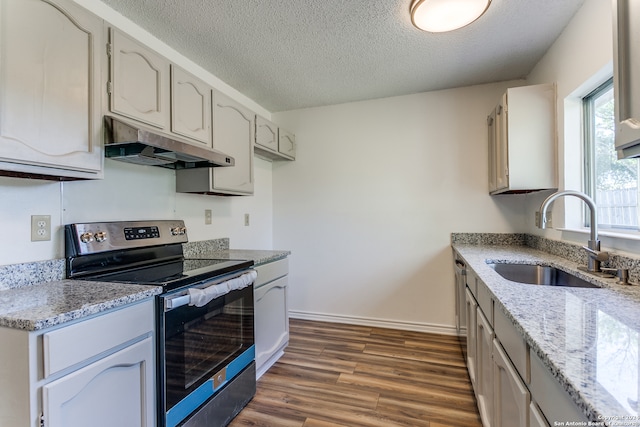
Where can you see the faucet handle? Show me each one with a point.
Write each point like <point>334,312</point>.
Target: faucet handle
<point>597,255</point>
<point>621,273</point>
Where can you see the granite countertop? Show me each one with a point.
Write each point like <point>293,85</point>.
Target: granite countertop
<point>35,296</point>
<point>49,304</point>
<point>588,338</point>
<point>258,257</point>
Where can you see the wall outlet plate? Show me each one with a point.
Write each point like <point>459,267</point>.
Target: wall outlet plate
<point>207,216</point>
<point>40,228</point>
<point>246,220</point>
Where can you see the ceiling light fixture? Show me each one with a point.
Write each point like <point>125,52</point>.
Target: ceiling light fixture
<point>437,16</point>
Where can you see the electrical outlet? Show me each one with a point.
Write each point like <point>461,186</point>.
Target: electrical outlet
<point>207,216</point>
<point>40,228</point>
<point>246,220</point>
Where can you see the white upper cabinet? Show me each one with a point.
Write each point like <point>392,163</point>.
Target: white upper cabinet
<point>626,77</point>
<point>139,81</point>
<point>50,104</point>
<point>266,134</point>
<point>522,141</point>
<point>233,134</point>
<point>272,142</point>
<point>190,106</point>
<point>286,143</point>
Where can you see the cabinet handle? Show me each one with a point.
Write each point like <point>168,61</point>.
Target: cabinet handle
<point>499,110</point>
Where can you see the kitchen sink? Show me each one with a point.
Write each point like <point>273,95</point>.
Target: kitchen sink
<point>540,275</point>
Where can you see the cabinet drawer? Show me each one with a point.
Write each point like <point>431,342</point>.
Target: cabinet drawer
<point>552,399</point>
<point>73,344</point>
<point>271,271</point>
<point>513,343</point>
<point>484,301</point>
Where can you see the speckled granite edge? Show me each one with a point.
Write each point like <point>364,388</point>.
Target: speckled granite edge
<point>31,273</point>
<point>570,251</point>
<point>258,256</point>
<point>488,239</point>
<point>192,249</point>
<point>45,305</point>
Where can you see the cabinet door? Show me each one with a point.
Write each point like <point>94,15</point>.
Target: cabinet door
<point>491,137</point>
<point>50,110</point>
<point>484,374</point>
<point>286,143</point>
<point>501,145</point>
<point>511,397</point>
<point>271,320</point>
<point>471,307</point>
<point>190,106</point>
<point>266,134</point>
<point>626,76</point>
<point>233,134</point>
<point>115,391</point>
<point>536,419</point>
<point>139,81</point>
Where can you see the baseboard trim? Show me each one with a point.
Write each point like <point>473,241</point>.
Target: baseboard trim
<point>378,323</point>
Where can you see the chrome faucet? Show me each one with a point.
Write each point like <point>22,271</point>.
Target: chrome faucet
<point>593,248</point>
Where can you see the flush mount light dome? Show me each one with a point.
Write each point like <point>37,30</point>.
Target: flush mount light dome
<point>437,16</point>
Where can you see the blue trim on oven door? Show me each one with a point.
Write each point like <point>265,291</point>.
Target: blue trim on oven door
<point>186,406</point>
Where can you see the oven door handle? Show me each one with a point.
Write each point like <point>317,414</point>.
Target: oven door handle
<point>200,297</point>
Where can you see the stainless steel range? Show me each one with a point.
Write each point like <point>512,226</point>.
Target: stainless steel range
<point>204,316</point>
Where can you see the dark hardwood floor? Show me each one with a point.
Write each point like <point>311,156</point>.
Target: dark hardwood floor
<point>344,375</point>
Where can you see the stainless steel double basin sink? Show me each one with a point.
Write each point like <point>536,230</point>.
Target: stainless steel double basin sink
<point>540,275</point>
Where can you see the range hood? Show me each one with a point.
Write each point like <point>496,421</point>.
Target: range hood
<point>134,143</point>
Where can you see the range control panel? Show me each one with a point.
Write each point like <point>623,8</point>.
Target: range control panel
<point>94,237</point>
<point>137,233</point>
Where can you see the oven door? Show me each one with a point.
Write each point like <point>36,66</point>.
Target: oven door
<point>201,349</point>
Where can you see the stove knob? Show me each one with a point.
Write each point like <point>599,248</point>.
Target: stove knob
<point>101,236</point>
<point>175,231</point>
<point>183,230</point>
<point>86,237</point>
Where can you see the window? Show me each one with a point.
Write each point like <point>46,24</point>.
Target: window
<point>612,183</point>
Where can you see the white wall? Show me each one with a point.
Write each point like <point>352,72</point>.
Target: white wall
<point>129,192</point>
<point>133,191</point>
<point>579,61</point>
<point>369,204</point>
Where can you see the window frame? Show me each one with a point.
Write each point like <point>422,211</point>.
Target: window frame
<point>589,161</point>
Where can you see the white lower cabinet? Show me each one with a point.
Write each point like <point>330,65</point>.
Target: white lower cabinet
<point>512,385</point>
<point>484,369</point>
<point>536,419</point>
<point>98,372</point>
<point>471,307</point>
<point>113,391</point>
<point>554,402</point>
<point>271,313</point>
<point>511,396</point>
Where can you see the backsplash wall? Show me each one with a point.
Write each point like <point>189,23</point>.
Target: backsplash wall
<point>128,192</point>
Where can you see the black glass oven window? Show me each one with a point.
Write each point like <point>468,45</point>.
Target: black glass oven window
<point>199,341</point>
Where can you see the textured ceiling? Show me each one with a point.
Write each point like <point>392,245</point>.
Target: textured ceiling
<point>305,53</point>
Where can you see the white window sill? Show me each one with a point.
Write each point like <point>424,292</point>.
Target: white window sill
<point>630,235</point>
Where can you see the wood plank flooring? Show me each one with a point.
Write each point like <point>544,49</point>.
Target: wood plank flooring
<point>350,376</point>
